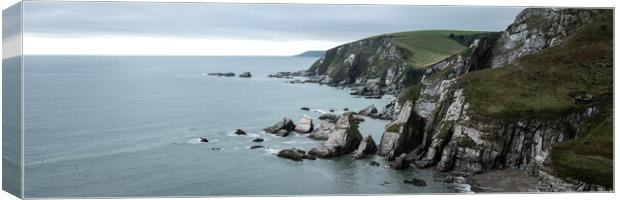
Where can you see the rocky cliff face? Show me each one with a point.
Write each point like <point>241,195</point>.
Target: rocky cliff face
<point>376,64</point>
<point>536,29</point>
<point>439,127</point>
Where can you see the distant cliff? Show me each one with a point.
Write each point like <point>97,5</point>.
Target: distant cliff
<point>387,63</point>
<point>538,98</point>
<point>311,54</point>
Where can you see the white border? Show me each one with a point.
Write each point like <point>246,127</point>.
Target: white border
<point>536,3</point>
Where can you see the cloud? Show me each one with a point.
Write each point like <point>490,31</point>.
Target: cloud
<point>269,22</point>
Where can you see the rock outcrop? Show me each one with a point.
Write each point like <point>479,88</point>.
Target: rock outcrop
<point>343,139</point>
<point>322,133</point>
<point>304,125</point>
<point>368,111</point>
<point>366,147</point>
<point>282,128</point>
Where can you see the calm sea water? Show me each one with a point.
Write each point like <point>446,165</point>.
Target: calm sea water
<point>129,126</point>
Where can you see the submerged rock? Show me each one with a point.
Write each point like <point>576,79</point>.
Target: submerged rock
<point>305,108</point>
<point>257,147</point>
<point>366,147</point>
<point>240,132</point>
<point>304,125</point>
<point>245,75</point>
<point>258,140</point>
<point>295,154</point>
<point>228,74</point>
<point>374,164</point>
<point>416,182</point>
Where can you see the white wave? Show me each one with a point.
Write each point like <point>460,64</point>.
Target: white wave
<point>272,150</point>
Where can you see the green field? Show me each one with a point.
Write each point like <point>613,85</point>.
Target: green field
<point>431,46</point>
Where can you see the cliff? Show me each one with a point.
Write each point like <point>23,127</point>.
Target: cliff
<point>387,63</point>
<point>538,98</point>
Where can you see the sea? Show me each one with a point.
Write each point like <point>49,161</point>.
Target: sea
<point>130,126</point>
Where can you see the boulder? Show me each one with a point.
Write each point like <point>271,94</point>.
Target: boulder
<point>368,111</point>
<point>204,140</point>
<point>373,163</point>
<point>257,147</point>
<point>240,132</point>
<point>343,139</point>
<point>329,117</point>
<point>258,140</point>
<point>292,154</point>
<point>322,133</point>
<point>304,125</point>
<point>416,182</point>
<point>367,147</point>
<point>282,133</point>
<point>281,128</point>
<point>245,75</point>
<point>305,108</point>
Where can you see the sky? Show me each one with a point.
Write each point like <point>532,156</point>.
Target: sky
<point>134,28</point>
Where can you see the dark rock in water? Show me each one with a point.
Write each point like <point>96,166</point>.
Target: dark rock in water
<point>304,125</point>
<point>373,163</point>
<point>329,117</point>
<point>204,140</point>
<point>305,108</point>
<point>257,147</point>
<point>229,74</point>
<point>366,147</point>
<point>400,162</point>
<point>245,75</point>
<point>416,182</point>
<point>258,140</point>
<point>368,111</point>
<point>292,154</point>
<point>240,132</point>
<point>325,152</point>
<point>332,110</point>
<point>282,128</point>
<point>282,133</point>
<point>346,109</point>
<point>215,149</point>
<point>373,97</point>
<point>309,157</point>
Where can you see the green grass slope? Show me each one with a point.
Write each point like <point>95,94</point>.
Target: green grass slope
<point>542,86</point>
<point>432,46</point>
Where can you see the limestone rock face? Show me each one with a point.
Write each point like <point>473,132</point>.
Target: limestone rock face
<point>343,139</point>
<point>537,28</point>
<point>359,65</point>
<point>304,125</point>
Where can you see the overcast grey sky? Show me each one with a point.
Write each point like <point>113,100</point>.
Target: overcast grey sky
<point>327,25</point>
